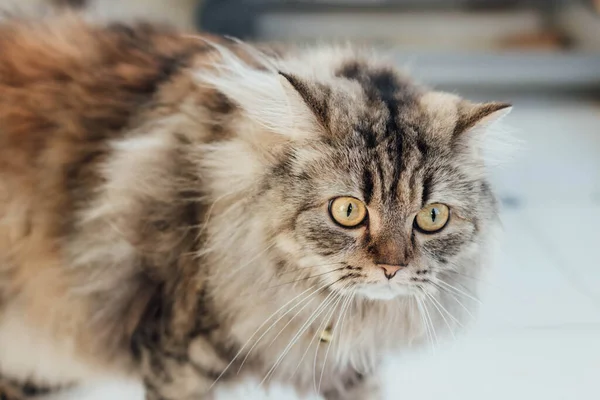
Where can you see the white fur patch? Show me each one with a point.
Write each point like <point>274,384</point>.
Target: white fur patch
<point>28,352</point>
<point>131,390</point>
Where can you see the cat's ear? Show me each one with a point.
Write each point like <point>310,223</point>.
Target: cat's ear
<point>480,136</point>
<point>479,116</point>
<point>452,117</point>
<point>275,102</point>
<point>313,95</point>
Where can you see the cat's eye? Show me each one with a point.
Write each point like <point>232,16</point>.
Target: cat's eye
<point>432,218</point>
<point>348,212</point>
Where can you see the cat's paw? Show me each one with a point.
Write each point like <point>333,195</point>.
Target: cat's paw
<point>8,392</point>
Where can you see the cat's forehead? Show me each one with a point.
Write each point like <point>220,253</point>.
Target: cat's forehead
<point>383,136</point>
<point>356,95</point>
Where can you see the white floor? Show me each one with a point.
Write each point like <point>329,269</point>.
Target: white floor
<point>538,335</point>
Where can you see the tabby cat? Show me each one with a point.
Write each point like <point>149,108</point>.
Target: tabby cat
<point>192,210</point>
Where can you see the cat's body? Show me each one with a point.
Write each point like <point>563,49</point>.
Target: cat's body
<point>163,211</point>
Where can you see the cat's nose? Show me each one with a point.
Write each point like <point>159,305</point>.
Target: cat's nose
<point>390,270</point>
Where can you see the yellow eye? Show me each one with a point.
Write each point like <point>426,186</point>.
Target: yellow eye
<point>432,218</point>
<point>347,211</point>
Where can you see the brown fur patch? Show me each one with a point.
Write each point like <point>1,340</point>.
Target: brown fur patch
<point>66,89</point>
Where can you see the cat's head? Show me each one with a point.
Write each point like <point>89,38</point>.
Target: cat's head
<point>350,177</point>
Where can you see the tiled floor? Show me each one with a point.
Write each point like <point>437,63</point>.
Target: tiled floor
<point>538,335</point>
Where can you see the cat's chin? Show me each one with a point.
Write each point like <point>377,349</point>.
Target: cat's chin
<point>384,291</point>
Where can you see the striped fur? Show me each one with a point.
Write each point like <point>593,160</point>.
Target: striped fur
<point>163,210</point>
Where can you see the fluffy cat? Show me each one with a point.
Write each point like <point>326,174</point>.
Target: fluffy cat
<point>192,210</point>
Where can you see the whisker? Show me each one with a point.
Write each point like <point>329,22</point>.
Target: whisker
<point>307,278</point>
<point>503,290</point>
<point>258,330</point>
<point>458,291</point>
<point>453,296</point>
<point>336,325</point>
<point>425,323</point>
<point>345,309</point>
<point>455,271</point>
<point>429,322</point>
<point>286,325</point>
<point>309,296</point>
<point>324,325</point>
<point>312,266</point>
<point>452,317</point>
<point>433,301</point>
<point>302,329</point>
<point>317,331</point>
<point>413,309</point>
<point>328,300</point>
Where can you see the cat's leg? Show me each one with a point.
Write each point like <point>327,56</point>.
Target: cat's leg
<point>178,345</point>
<point>12,390</point>
<point>179,368</point>
<point>359,388</point>
<point>8,391</point>
<point>169,378</point>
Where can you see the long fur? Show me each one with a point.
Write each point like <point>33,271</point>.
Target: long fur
<point>164,210</point>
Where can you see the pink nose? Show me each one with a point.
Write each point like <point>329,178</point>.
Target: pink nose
<point>390,270</point>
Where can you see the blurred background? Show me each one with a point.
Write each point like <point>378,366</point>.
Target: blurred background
<point>538,333</point>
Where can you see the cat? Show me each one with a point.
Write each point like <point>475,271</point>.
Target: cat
<point>191,210</point>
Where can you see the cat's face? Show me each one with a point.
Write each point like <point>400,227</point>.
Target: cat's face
<point>389,192</point>
<point>382,203</point>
